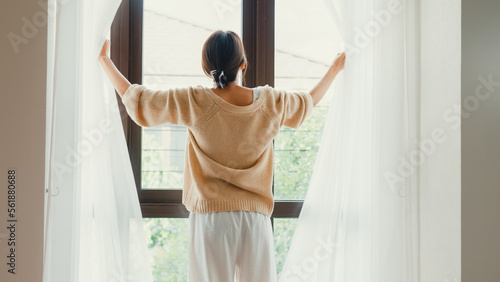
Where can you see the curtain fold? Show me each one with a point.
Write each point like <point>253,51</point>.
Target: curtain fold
<point>93,222</point>
<point>359,221</point>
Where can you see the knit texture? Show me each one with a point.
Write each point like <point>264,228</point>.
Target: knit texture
<point>229,149</point>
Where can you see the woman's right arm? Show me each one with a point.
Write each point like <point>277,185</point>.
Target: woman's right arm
<point>320,89</point>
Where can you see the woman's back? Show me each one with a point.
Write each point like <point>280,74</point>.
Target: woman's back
<point>229,153</point>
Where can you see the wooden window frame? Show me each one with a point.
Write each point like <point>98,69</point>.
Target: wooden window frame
<point>126,53</point>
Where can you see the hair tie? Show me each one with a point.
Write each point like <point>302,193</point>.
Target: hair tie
<point>222,84</point>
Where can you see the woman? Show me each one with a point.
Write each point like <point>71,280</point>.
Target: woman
<point>229,155</point>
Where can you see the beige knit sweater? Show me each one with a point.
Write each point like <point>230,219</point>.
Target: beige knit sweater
<point>229,151</point>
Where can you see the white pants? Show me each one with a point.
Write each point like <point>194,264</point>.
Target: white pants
<point>231,246</point>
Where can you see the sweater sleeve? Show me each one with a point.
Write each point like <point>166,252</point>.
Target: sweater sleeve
<point>149,108</point>
<point>292,107</point>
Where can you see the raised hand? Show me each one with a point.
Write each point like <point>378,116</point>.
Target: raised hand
<point>338,62</point>
<point>105,49</point>
<point>320,89</point>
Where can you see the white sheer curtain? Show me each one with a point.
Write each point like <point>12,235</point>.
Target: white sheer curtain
<point>94,229</point>
<point>359,221</point>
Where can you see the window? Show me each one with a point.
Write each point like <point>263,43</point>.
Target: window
<point>158,43</point>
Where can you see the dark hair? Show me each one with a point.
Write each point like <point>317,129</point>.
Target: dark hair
<point>222,55</point>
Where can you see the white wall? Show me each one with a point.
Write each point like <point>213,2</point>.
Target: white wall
<point>480,141</point>
<point>22,127</point>
<point>440,173</point>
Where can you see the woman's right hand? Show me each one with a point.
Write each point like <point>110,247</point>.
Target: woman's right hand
<point>338,62</point>
<point>105,50</point>
<point>320,89</point>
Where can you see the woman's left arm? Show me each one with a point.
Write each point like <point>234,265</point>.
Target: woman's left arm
<point>120,83</point>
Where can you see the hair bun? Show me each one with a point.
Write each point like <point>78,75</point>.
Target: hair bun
<point>224,51</point>
<point>220,79</point>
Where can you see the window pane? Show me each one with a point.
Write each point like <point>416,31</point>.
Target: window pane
<point>174,33</point>
<point>168,242</point>
<point>283,233</point>
<point>304,50</point>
